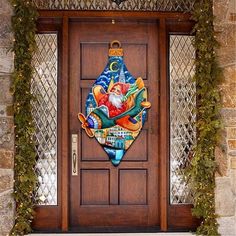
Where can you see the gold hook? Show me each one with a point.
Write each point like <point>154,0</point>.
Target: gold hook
<point>115,42</point>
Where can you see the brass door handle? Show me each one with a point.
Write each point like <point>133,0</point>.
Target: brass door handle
<point>74,154</point>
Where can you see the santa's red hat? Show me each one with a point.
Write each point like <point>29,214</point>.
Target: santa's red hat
<point>124,87</point>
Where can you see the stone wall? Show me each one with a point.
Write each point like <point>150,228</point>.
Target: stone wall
<point>225,26</point>
<point>6,122</point>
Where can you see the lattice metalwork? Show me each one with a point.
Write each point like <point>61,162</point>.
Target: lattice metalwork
<point>128,5</point>
<point>44,86</point>
<point>182,115</point>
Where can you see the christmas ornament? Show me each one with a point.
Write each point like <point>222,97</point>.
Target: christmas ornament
<point>115,107</point>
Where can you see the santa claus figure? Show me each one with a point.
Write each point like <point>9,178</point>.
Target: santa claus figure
<point>113,99</point>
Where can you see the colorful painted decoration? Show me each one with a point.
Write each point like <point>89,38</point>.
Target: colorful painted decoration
<point>115,107</point>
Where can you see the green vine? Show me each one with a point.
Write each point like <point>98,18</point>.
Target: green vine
<point>24,27</point>
<point>207,77</point>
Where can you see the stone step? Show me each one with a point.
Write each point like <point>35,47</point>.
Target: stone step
<point>120,234</point>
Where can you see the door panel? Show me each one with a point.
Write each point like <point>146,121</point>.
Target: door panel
<point>103,195</point>
<point>95,187</point>
<point>133,187</point>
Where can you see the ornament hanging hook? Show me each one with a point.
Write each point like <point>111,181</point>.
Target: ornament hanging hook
<point>115,42</point>
<point>115,49</point>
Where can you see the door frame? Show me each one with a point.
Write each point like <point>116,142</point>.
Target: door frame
<point>57,217</point>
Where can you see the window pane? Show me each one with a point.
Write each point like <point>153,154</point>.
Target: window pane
<point>128,5</point>
<point>44,87</point>
<point>182,115</point>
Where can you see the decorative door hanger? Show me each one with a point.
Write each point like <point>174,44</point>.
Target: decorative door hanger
<point>115,107</point>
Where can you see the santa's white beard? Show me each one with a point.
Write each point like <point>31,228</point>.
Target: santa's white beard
<point>115,100</point>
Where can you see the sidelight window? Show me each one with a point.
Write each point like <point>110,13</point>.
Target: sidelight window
<point>182,114</point>
<point>44,87</point>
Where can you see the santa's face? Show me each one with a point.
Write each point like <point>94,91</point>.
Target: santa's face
<point>116,89</point>
<point>115,99</point>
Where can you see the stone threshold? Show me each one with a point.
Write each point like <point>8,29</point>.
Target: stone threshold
<point>119,234</point>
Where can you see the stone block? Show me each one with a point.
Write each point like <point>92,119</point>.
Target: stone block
<point>221,155</point>
<point>6,202</point>
<point>220,10</point>
<point>6,180</point>
<point>6,224</point>
<point>224,197</point>
<point>228,97</point>
<point>232,144</point>
<point>233,163</point>
<point>6,96</point>
<point>6,61</point>
<point>228,87</point>
<point>227,39</point>
<point>230,76</point>
<point>6,159</point>
<point>229,117</point>
<point>221,159</point>
<point>231,132</point>
<point>7,207</point>
<point>6,133</point>
<point>232,153</point>
<point>3,111</point>
<point>232,176</point>
<point>5,7</point>
<point>231,15</point>
<point>6,110</point>
<point>6,35</point>
<point>227,226</point>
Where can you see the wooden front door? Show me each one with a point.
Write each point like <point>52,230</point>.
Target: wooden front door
<point>102,195</point>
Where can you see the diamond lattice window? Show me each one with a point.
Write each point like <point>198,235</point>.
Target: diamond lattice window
<point>44,87</point>
<point>182,115</point>
<point>129,5</point>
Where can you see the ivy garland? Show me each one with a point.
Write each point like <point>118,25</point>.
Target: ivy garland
<point>207,77</point>
<point>24,27</point>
